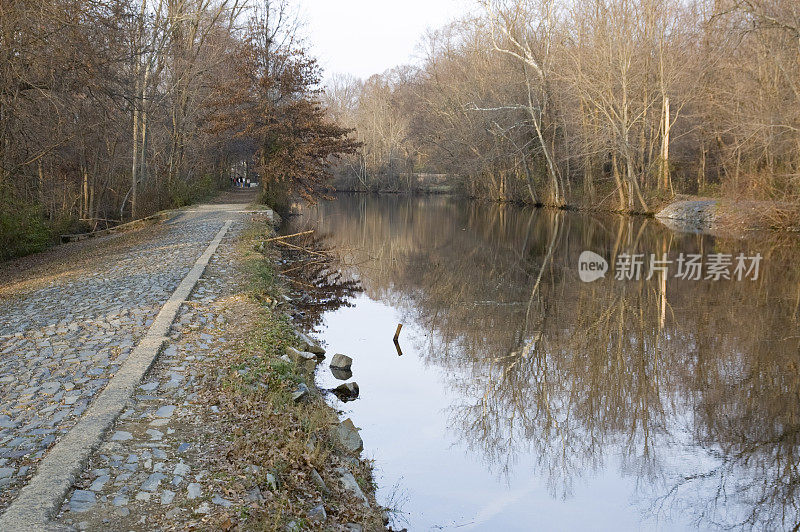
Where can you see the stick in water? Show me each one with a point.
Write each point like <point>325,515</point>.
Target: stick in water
<point>396,342</point>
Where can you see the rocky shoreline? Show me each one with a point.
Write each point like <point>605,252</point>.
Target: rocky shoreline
<point>729,218</point>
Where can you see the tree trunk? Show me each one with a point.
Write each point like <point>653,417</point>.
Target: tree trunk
<point>536,117</point>
<point>665,180</point>
<point>135,151</point>
<point>618,180</point>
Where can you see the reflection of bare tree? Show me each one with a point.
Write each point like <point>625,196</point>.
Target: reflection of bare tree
<point>749,420</point>
<point>649,371</point>
<point>315,274</point>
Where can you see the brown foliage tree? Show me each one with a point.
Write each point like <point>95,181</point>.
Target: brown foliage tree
<point>272,104</point>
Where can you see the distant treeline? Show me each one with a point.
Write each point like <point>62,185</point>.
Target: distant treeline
<point>114,109</point>
<point>613,103</point>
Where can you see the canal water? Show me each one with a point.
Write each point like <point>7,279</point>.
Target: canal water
<point>659,396</point>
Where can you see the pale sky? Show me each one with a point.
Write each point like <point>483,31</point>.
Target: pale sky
<point>365,37</point>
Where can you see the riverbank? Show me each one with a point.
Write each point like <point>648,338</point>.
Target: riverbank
<point>728,217</point>
<point>682,212</point>
<point>281,421</point>
<point>719,216</point>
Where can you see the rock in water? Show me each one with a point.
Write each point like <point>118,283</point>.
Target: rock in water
<point>341,361</point>
<point>341,374</point>
<point>346,392</point>
<point>348,435</point>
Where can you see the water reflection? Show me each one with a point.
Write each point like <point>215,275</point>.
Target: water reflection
<point>691,387</point>
<point>316,280</point>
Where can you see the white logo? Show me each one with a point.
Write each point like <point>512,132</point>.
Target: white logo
<point>591,266</point>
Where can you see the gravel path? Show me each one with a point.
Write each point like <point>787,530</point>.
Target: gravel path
<point>66,327</point>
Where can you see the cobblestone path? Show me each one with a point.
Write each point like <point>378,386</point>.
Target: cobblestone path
<point>66,329</point>
<point>149,473</point>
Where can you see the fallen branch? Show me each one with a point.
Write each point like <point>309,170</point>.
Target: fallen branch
<point>288,236</point>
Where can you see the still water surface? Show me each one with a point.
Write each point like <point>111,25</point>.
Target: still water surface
<point>525,399</point>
